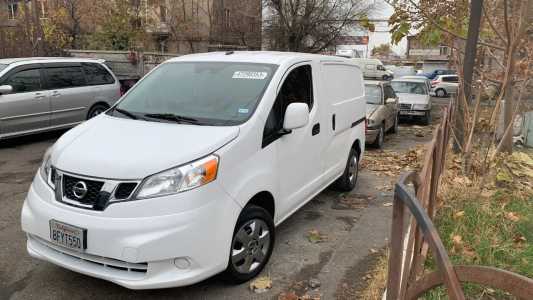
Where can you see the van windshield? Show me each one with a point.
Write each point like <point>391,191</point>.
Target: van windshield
<point>372,94</point>
<point>203,93</point>
<point>409,87</point>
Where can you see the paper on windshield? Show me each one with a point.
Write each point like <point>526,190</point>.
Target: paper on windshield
<point>249,75</point>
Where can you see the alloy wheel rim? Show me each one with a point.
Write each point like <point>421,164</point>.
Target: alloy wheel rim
<point>250,246</point>
<point>352,169</point>
<point>96,112</point>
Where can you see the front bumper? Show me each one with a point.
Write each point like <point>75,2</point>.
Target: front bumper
<point>412,113</point>
<point>183,244</point>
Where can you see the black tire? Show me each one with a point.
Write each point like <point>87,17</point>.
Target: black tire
<point>96,110</point>
<point>348,180</point>
<point>261,218</point>
<point>380,139</point>
<point>385,77</point>
<point>441,93</point>
<point>427,118</point>
<point>395,127</point>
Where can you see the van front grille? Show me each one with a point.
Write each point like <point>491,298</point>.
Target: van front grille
<point>92,187</point>
<point>124,190</point>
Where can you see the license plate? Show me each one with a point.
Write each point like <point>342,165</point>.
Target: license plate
<point>411,113</point>
<point>68,236</point>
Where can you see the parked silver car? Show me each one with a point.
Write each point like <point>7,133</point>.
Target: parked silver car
<point>381,111</point>
<point>444,85</point>
<point>42,94</point>
<point>415,100</point>
<point>420,77</point>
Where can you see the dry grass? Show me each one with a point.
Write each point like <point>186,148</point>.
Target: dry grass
<point>377,280</point>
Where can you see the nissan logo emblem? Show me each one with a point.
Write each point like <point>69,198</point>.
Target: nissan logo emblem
<point>79,189</point>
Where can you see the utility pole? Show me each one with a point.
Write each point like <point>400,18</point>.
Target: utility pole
<point>469,60</point>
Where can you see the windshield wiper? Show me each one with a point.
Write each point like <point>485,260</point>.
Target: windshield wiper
<point>126,113</point>
<point>174,118</point>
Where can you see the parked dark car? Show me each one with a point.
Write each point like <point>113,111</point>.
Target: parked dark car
<point>438,72</point>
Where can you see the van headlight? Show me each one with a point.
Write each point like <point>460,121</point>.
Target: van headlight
<point>46,167</point>
<point>179,179</point>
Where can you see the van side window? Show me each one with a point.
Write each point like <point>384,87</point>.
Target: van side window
<point>298,87</point>
<point>25,81</point>
<point>64,77</point>
<point>96,74</point>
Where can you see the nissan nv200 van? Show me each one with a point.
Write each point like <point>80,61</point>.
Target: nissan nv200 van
<point>189,173</point>
<point>40,94</point>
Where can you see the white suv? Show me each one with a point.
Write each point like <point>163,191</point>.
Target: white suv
<point>187,175</point>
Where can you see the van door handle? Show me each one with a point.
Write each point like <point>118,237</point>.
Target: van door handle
<point>333,122</point>
<point>39,95</point>
<point>316,129</point>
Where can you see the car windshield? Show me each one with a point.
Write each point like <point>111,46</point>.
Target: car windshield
<point>373,94</point>
<point>2,66</point>
<point>409,87</point>
<point>205,93</point>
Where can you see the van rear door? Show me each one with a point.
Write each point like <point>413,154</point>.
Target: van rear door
<point>343,91</point>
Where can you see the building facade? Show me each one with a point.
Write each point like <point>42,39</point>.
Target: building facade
<point>170,26</point>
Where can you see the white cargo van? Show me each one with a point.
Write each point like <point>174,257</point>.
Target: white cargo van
<point>373,68</point>
<point>190,172</point>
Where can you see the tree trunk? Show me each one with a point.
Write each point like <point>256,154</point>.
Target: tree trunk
<point>468,68</point>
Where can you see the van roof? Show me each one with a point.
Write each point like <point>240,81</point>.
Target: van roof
<point>267,57</point>
<point>8,61</point>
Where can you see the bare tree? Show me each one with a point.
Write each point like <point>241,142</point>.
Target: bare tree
<point>311,25</point>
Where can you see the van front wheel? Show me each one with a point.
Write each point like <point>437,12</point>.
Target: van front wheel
<point>348,180</point>
<point>251,246</point>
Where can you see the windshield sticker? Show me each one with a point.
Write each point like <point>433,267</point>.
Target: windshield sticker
<point>249,75</point>
<point>243,110</point>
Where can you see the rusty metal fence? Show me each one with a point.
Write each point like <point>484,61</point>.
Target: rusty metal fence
<point>414,235</point>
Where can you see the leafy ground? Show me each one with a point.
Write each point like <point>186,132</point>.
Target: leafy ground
<point>482,220</point>
<point>489,221</point>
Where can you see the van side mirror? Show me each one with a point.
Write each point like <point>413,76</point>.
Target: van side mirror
<point>390,101</point>
<point>5,89</point>
<point>296,116</point>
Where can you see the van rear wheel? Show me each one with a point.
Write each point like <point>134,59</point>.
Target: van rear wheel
<point>348,180</point>
<point>251,246</point>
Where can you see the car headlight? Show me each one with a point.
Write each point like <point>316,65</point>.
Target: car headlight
<point>421,106</point>
<point>179,179</point>
<point>46,168</point>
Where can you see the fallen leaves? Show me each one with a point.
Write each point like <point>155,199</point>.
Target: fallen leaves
<point>294,296</point>
<point>392,163</point>
<point>314,236</point>
<point>459,214</point>
<point>261,284</point>
<point>512,216</point>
